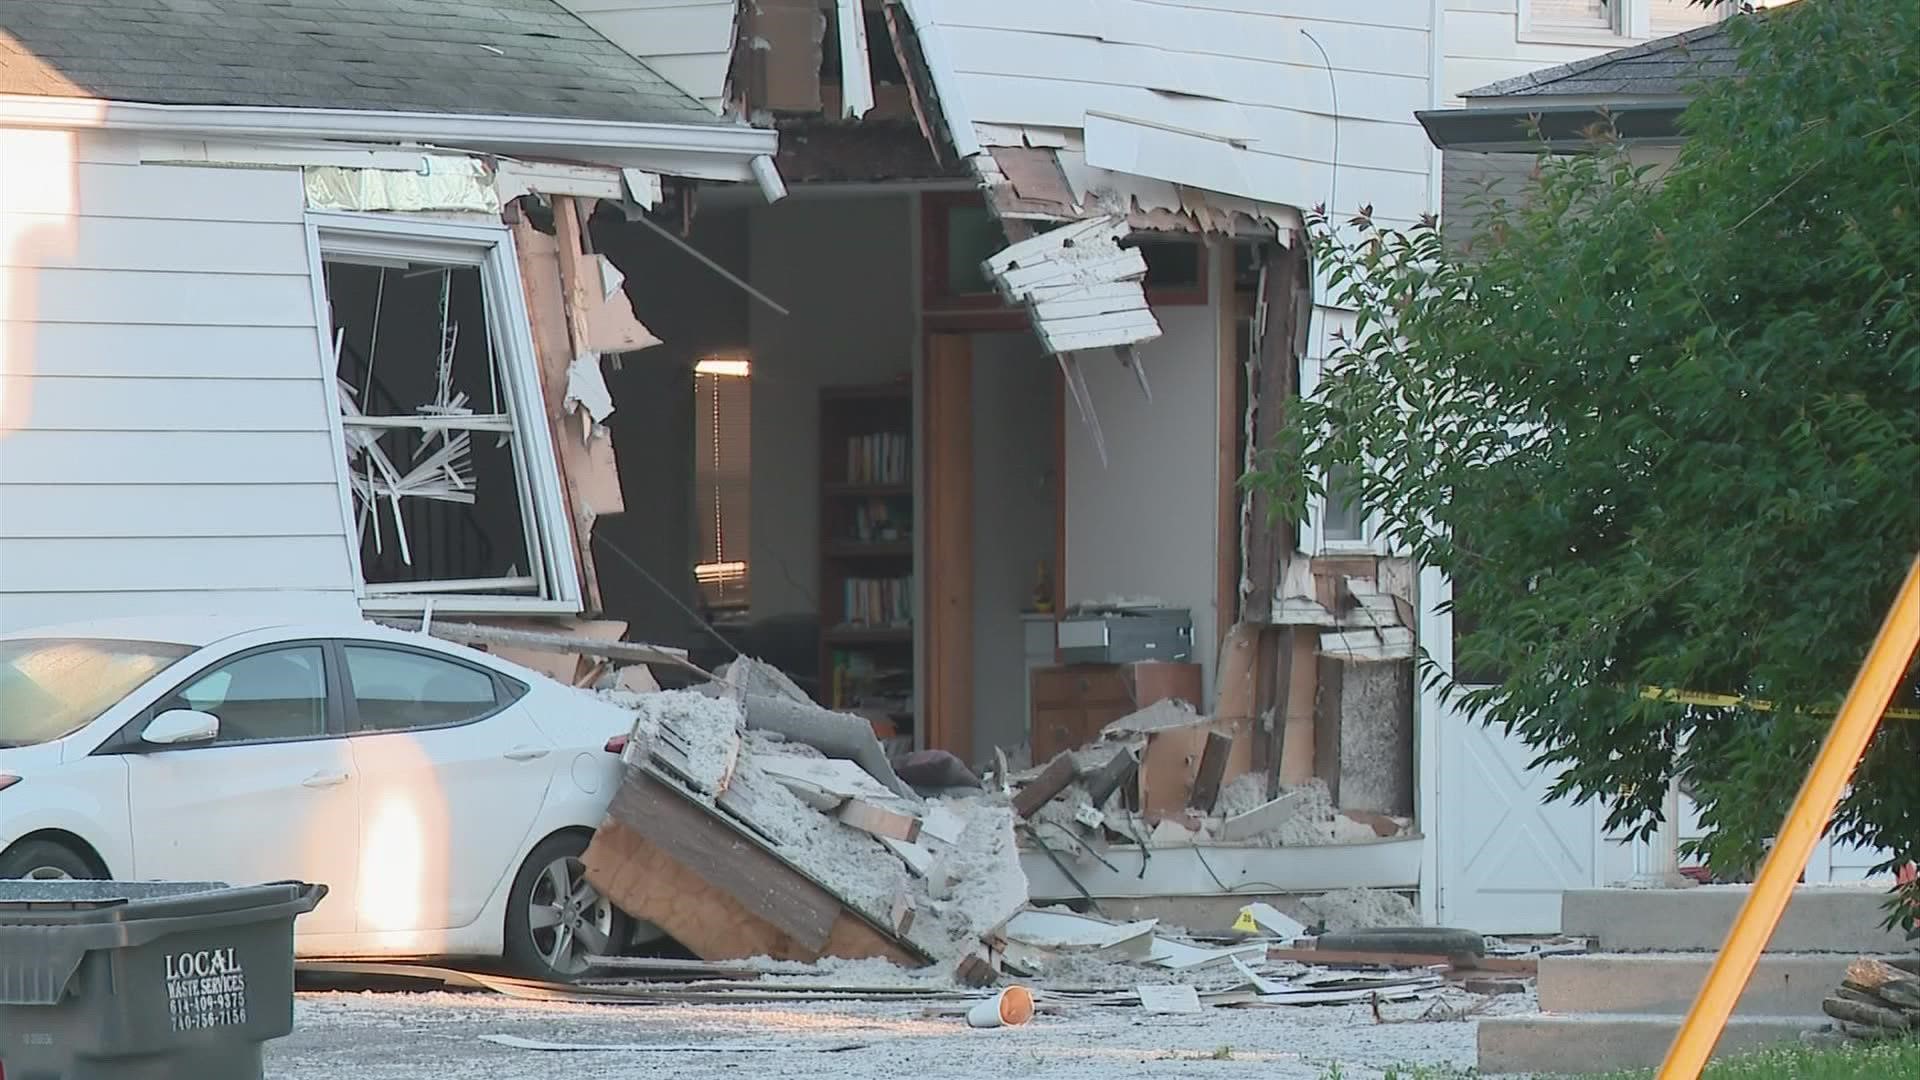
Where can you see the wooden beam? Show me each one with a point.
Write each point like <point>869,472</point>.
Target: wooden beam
<point>1213,766</point>
<point>1270,541</point>
<point>1108,778</point>
<point>1059,776</point>
<point>578,644</point>
<point>1228,425</point>
<point>948,462</point>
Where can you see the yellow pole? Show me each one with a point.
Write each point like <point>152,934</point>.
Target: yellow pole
<point>1872,689</point>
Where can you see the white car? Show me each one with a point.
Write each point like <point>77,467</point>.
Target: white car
<point>442,795</point>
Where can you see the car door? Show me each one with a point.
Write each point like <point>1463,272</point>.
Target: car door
<point>271,797</point>
<point>452,777</point>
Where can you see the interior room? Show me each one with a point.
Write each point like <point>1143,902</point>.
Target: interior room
<point>869,489</point>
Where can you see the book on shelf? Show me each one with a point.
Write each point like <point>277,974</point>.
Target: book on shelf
<point>877,459</point>
<point>878,602</point>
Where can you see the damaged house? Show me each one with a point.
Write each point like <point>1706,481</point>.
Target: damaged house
<point>916,347</point>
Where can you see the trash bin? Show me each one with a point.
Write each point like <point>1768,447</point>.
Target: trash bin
<point>145,980</point>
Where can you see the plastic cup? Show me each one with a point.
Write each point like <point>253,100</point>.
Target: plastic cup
<point>1011,1007</point>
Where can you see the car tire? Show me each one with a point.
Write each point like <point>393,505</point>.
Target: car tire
<point>48,860</point>
<point>550,935</point>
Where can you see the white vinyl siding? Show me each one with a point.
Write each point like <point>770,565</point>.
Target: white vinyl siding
<point>688,42</point>
<point>164,427</point>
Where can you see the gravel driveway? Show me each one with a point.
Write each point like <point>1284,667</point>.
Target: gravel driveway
<point>438,1036</point>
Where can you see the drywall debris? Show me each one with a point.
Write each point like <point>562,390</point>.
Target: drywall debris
<point>587,388</point>
<point>1177,999</point>
<point>1268,817</point>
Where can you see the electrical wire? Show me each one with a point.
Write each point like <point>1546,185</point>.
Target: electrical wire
<point>668,593</point>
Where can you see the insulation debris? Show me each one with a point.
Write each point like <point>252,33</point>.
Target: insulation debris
<point>795,876</point>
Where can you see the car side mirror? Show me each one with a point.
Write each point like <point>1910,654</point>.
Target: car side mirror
<point>177,726</point>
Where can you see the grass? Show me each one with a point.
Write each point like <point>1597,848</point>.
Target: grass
<point>1880,1061</point>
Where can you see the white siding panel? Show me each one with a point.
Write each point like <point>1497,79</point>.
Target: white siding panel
<point>1215,166</point>
<point>229,247</point>
<point>190,192</point>
<point>133,296</point>
<point>1369,144</point>
<point>164,436</point>
<point>109,564</point>
<point>23,611</point>
<point>169,510</point>
<point>670,31</point>
<point>1275,39</point>
<point>180,352</point>
<point>181,457</point>
<point>1089,74</point>
<point>65,403</point>
<point>688,42</point>
<point>703,76</point>
<point>1411,14</point>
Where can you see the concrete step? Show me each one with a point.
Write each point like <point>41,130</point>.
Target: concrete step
<point>1573,1045</point>
<point>1819,918</point>
<point>1784,984</point>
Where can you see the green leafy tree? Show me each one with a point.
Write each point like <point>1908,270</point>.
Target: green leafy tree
<point>1664,432</point>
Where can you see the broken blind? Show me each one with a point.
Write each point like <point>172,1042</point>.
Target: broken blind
<point>722,478</point>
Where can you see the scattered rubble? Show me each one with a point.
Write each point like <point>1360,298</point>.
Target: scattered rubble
<point>1877,1000</point>
<point>774,840</point>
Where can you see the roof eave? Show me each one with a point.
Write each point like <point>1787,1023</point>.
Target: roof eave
<point>698,151</point>
<point>1562,128</point>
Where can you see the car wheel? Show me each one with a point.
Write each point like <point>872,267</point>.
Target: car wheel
<point>46,860</point>
<point>555,919</point>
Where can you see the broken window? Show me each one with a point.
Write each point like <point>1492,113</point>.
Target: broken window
<point>451,474</point>
<point>723,402</point>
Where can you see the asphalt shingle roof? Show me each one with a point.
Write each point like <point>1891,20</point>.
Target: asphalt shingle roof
<point>503,57</point>
<point>1663,67</point>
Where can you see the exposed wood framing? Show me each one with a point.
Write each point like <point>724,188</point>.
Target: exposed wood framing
<point>1270,542</point>
<point>1228,462</point>
<point>589,477</point>
<point>947,698</point>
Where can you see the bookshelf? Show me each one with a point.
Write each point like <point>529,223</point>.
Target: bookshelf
<point>867,580</point>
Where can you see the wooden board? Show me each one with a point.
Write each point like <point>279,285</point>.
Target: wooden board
<point>755,879</point>
<point>1213,766</point>
<point>948,573</point>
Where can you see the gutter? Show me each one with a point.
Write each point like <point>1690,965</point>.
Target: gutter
<point>1563,128</point>
<point>698,151</point>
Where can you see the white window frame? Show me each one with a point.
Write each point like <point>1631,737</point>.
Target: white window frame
<point>1632,22</point>
<point>1313,540</point>
<point>549,531</point>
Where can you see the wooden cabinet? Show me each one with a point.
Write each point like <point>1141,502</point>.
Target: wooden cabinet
<point>1072,703</point>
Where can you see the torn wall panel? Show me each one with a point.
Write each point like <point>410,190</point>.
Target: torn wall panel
<point>1082,288</point>
<point>590,477</point>
<point>448,184</point>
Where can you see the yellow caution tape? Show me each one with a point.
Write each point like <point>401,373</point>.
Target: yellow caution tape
<point>1728,701</point>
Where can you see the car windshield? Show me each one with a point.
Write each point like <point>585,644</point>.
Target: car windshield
<point>53,687</point>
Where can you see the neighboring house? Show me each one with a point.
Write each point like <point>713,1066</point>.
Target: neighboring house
<point>844,447</point>
<point>1519,849</point>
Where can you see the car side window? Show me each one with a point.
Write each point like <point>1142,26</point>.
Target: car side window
<point>263,696</point>
<point>396,690</point>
